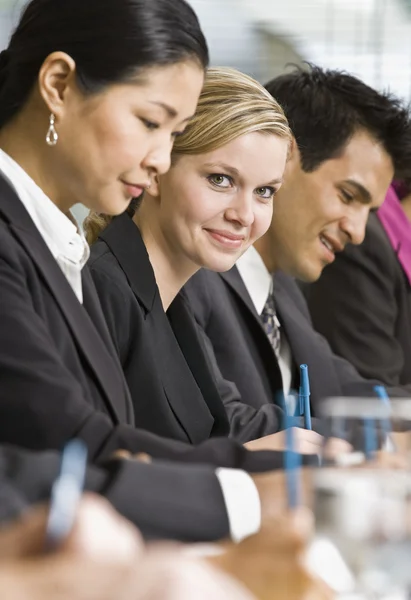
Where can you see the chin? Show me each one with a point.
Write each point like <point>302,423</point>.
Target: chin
<point>113,207</point>
<point>216,260</point>
<point>306,273</point>
<point>309,276</point>
<point>219,266</point>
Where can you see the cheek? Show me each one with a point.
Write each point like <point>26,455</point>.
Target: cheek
<point>177,207</point>
<point>116,140</point>
<point>123,145</point>
<point>201,207</point>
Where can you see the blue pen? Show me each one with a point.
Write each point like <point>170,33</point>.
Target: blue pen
<point>382,394</point>
<point>304,396</point>
<point>300,400</point>
<point>66,493</point>
<point>386,424</point>
<point>292,464</point>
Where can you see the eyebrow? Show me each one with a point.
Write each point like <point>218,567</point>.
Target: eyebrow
<point>235,172</point>
<point>172,113</point>
<point>365,196</point>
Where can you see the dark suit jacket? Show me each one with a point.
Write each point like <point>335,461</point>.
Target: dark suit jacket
<point>135,489</point>
<point>60,378</point>
<point>362,305</point>
<point>166,369</point>
<point>225,312</point>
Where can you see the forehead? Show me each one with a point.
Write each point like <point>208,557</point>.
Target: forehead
<point>364,162</point>
<point>257,156</point>
<point>178,86</point>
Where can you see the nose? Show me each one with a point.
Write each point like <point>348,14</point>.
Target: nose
<point>157,161</point>
<point>240,210</point>
<point>354,226</point>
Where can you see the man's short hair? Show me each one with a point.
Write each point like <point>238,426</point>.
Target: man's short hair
<point>325,108</point>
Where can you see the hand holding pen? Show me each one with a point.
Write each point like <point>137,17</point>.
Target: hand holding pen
<point>66,494</point>
<point>89,522</point>
<point>97,560</point>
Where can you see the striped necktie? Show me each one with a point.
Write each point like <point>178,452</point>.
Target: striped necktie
<point>271,324</point>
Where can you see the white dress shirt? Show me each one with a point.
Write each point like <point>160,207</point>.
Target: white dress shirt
<point>258,282</point>
<point>63,237</point>
<point>69,247</point>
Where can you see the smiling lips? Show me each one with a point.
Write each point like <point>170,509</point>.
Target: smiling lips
<point>226,238</point>
<point>331,247</point>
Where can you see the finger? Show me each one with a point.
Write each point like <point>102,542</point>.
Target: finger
<point>305,447</point>
<point>124,454</point>
<point>142,457</point>
<point>309,435</point>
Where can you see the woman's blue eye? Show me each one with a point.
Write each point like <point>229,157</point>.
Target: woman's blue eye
<point>265,192</point>
<point>220,180</point>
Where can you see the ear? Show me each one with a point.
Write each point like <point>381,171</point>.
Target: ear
<point>56,77</point>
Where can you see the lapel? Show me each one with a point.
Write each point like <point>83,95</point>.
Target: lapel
<point>184,328</point>
<point>183,368</point>
<point>304,343</point>
<point>234,281</point>
<point>87,337</point>
<point>125,242</point>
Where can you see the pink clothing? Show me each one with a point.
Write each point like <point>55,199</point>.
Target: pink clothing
<point>398,229</point>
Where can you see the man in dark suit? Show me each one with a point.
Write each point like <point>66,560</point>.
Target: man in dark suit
<point>349,140</point>
<point>362,305</point>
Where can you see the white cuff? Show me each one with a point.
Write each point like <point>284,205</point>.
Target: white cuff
<point>242,502</point>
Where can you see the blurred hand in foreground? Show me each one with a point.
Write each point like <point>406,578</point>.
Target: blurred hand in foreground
<point>271,563</point>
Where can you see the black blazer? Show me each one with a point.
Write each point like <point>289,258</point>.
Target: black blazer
<point>226,313</point>
<point>362,305</point>
<point>59,373</point>
<point>166,369</point>
<point>195,509</point>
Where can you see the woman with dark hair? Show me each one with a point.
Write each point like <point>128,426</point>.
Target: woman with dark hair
<point>92,95</point>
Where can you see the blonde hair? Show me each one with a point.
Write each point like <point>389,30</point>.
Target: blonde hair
<point>231,104</point>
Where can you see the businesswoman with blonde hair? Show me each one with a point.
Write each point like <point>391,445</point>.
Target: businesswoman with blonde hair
<point>214,202</point>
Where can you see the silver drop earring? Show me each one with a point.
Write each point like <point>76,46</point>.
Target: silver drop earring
<point>52,135</point>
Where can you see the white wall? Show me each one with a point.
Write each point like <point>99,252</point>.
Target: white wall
<point>230,34</point>
<point>371,38</point>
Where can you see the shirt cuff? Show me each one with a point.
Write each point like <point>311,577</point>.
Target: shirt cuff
<point>242,502</point>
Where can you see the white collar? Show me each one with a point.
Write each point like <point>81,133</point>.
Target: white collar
<point>60,233</point>
<point>256,277</point>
